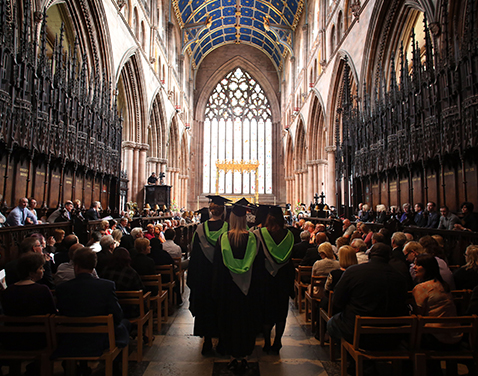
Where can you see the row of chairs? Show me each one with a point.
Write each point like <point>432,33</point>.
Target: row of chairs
<point>52,327</point>
<point>413,328</point>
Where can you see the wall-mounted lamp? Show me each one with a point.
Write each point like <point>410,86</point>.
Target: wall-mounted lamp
<point>162,82</point>
<point>311,84</point>
<point>187,126</point>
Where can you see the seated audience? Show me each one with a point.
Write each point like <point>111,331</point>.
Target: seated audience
<point>360,248</point>
<point>123,226</point>
<point>107,244</point>
<point>87,296</point>
<point>347,257</point>
<point>466,277</point>
<point>433,216</point>
<point>370,289</point>
<point>66,270</point>
<point>27,298</point>
<point>327,263</point>
<point>29,245</point>
<point>20,215</point>
<point>300,249</point>
<point>469,221</point>
<point>149,233</point>
<point>381,216</point>
<point>62,249</point>
<point>420,219</point>
<point>367,234</point>
<point>94,242</point>
<point>447,220</point>
<point>117,235</point>
<point>119,271</point>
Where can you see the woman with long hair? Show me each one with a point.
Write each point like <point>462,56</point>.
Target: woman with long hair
<point>200,271</point>
<point>466,277</point>
<point>277,277</point>
<point>236,290</point>
<point>432,295</point>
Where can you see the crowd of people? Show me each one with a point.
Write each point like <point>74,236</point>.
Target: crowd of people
<point>85,278</point>
<point>241,273</point>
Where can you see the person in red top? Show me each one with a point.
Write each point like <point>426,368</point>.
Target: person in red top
<point>149,234</point>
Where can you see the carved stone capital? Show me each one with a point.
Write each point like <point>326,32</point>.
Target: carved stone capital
<point>143,146</point>
<point>330,149</point>
<point>128,145</point>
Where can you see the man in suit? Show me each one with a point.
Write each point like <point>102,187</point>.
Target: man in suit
<point>87,296</point>
<point>433,216</point>
<point>420,219</point>
<point>92,213</point>
<point>123,226</point>
<point>371,289</point>
<point>299,250</point>
<point>20,215</point>
<point>61,214</point>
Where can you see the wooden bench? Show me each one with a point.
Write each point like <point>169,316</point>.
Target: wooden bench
<point>61,325</point>
<point>28,325</point>
<point>140,301</point>
<point>380,326</point>
<point>159,301</point>
<point>180,272</point>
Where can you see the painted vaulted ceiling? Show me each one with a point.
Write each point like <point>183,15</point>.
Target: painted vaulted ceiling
<point>265,24</point>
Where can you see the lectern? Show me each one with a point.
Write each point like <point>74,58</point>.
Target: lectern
<point>157,195</point>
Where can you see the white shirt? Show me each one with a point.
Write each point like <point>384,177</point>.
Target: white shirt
<point>172,248</point>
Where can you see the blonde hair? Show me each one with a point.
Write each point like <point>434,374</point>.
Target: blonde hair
<point>104,224</point>
<point>327,250</point>
<point>141,244</point>
<point>117,234</point>
<point>472,252</point>
<point>347,256</point>
<point>237,227</point>
<point>381,208</point>
<point>415,247</point>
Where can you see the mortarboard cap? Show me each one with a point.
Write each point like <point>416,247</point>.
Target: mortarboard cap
<point>276,210</point>
<point>240,207</point>
<point>204,214</point>
<point>218,200</point>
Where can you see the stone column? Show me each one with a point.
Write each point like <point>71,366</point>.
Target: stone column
<point>134,174</point>
<point>143,149</point>
<point>310,180</point>
<point>330,176</point>
<point>128,166</point>
<point>296,187</point>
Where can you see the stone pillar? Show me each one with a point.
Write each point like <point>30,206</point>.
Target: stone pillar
<point>330,176</point>
<point>134,175</point>
<point>128,166</point>
<point>142,169</point>
<point>295,198</point>
<point>310,181</point>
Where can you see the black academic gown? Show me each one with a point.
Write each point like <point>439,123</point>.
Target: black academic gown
<point>200,273</point>
<point>238,315</point>
<point>276,290</point>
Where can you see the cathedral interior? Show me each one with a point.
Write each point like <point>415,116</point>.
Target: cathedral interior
<point>272,100</point>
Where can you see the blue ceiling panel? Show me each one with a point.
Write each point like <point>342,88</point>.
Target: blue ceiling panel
<point>229,11</point>
<point>277,4</point>
<point>229,21</point>
<point>246,21</point>
<point>224,25</point>
<point>217,41</point>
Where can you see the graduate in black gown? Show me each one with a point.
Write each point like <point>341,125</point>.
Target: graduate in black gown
<point>277,277</point>
<point>200,272</point>
<point>236,289</point>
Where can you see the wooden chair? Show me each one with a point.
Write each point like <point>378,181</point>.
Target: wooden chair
<point>168,270</point>
<point>313,297</point>
<point>142,303</point>
<point>467,350</point>
<point>161,299</point>
<point>94,324</point>
<point>299,285</point>
<point>325,316</point>
<point>383,326</point>
<point>180,272</point>
<point>296,262</point>
<point>13,326</point>
<point>461,298</point>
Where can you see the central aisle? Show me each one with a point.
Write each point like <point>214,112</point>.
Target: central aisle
<point>177,352</point>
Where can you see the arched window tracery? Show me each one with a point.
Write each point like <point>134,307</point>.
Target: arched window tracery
<point>238,126</point>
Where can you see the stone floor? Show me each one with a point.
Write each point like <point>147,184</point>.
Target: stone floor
<point>176,352</point>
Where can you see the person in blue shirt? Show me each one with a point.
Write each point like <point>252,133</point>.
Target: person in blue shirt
<point>20,215</point>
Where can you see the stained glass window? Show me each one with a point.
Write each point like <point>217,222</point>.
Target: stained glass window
<point>237,126</point>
